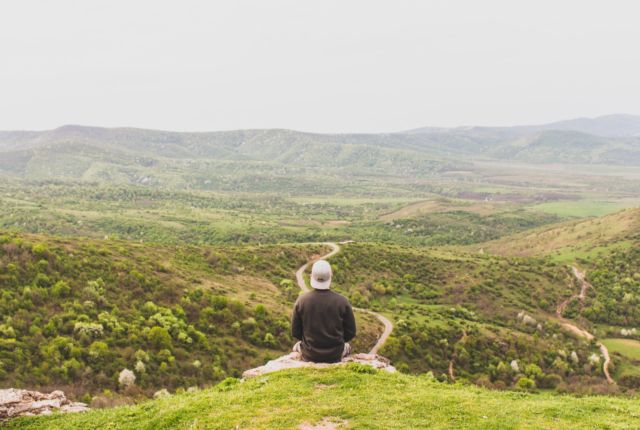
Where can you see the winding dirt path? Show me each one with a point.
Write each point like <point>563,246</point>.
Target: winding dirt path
<point>580,332</point>
<point>335,248</point>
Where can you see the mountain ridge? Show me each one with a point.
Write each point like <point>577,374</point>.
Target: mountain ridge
<point>128,154</point>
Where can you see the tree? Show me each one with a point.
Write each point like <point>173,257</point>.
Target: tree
<point>160,338</point>
<point>126,378</point>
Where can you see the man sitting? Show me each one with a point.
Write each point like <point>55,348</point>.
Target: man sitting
<point>322,320</point>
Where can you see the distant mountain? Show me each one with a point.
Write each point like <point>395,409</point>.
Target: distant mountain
<point>611,139</point>
<point>620,125</point>
<point>137,155</point>
<point>617,125</point>
<point>154,156</point>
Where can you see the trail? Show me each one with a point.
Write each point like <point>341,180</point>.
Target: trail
<point>388,325</point>
<point>580,332</point>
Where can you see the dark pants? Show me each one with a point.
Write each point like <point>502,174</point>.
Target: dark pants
<point>346,351</point>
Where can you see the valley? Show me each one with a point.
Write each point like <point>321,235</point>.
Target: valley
<point>178,256</point>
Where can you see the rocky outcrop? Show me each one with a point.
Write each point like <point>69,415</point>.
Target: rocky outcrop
<point>15,403</point>
<point>294,361</point>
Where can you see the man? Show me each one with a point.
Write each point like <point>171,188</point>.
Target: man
<point>322,320</point>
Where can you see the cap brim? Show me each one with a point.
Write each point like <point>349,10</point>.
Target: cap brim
<point>324,285</point>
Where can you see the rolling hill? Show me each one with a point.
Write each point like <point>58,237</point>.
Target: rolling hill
<point>572,239</point>
<point>183,159</point>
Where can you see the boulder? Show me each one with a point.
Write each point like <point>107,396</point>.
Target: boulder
<point>14,403</point>
<point>294,361</point>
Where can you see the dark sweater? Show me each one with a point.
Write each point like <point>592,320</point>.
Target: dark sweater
<point>323,321</point>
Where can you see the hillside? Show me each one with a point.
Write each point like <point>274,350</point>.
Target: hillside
<point>616,125</point>
<point>352,398</point>
<point>75,312</point>
<point>208,160</point>
<point>106,305</point>
<point>174,158</point>
<point>570,240</point>
<point>607,249</point>
<point>471,317</point>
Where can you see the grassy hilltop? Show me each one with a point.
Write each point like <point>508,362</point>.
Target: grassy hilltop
<point>357,400</point>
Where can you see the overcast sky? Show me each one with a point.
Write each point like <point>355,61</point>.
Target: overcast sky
<point>327,66</point>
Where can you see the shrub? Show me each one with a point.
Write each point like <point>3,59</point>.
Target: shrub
<point>61,289</point>
<point>549,381</point>
<point>525,383</point>
<point>126,378</point>
<point>41,280</point>
<point>159,338</point>
<point>91,330</point>
<point>40,250</point>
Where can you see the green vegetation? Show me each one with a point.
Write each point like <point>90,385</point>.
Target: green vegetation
<point>628,347</point>
<point>161,216</point>
<point>287,399</point>
<point>449,228</point>
<point>469,310</point>
<point>572,240</point>
<point>75,313</point>
<point>579,208</point>
<point>616,281</point>
<point>173,255</point>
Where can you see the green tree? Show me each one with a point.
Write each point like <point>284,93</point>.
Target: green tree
<point>160,338</point>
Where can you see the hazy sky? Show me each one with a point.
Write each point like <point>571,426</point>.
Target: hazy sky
<point>315,65</point>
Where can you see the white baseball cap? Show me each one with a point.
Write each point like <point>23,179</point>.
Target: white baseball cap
<point>321,275</point>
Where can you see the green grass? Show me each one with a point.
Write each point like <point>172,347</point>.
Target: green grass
<point>579,208</point>
<point>569,255</point>
<point>627,347</point>
<point>287,399</point>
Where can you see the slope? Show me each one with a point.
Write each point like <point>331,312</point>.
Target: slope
<point>570,240</point>
<point>75,312</point>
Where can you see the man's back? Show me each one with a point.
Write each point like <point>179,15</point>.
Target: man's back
<point>323,320</point>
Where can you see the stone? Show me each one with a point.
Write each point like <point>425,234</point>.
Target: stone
<point>294,361</point>
<point>15,403</point>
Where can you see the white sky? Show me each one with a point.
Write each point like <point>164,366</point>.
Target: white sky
<point>327,66</point>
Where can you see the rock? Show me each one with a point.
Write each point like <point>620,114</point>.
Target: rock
<point>14,403</point>
<point>294,361</point>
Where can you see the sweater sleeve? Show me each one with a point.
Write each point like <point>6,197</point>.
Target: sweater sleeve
<point>349,324</point>
<point>296,323</point>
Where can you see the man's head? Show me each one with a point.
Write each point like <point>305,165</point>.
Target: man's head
<point>321,275</point>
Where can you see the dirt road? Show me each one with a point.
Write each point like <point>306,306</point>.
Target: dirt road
<point>388,325</point>
<point>578,331</point>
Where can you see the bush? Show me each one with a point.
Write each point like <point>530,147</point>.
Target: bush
<point>40,250</point>
<point>160,338</point>
<point>126,378</point>
<point>525,383</point>
<point>549,381</point>
<point>61,289</point>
